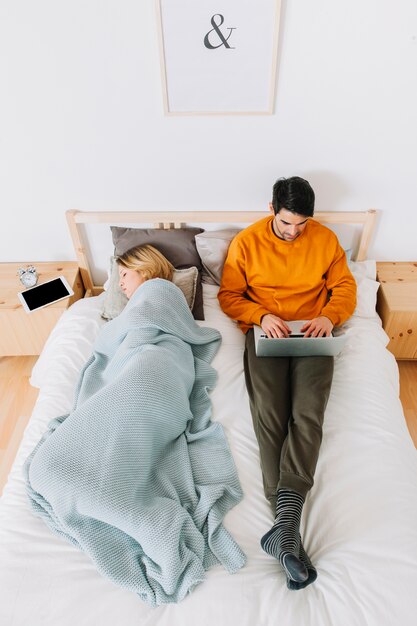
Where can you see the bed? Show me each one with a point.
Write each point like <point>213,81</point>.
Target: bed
<point>360,518</point>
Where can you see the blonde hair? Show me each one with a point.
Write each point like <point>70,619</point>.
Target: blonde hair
<point>148,261</point>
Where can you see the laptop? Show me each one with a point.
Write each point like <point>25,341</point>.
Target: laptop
<point>296,344</point>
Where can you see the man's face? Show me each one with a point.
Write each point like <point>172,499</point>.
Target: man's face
<point>288,225</point>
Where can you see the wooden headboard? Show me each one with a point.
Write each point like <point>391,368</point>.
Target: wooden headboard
<point>176,219</point>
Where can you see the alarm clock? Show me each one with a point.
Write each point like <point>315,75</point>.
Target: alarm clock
<point>28,276</point>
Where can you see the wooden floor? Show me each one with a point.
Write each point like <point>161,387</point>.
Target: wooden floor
<point>17,398</point>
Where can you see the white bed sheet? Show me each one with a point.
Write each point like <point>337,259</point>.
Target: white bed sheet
<point>360,527</point>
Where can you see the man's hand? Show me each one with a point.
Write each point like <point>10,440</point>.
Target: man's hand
<point>317,327</point>
<point>274,326</point>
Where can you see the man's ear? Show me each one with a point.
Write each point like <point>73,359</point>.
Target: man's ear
<point>271,208</point>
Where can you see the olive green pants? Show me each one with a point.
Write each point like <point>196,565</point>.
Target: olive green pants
<point>288,397</point>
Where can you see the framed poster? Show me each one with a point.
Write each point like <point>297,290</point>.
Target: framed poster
<point>218,57</point>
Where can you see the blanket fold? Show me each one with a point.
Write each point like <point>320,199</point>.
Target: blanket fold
<point>137,475</point>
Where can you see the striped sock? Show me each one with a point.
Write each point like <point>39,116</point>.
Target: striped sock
<point>282,541</point>
<point>311,570</point>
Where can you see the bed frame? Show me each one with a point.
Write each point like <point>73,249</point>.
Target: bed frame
<point>177,219</point>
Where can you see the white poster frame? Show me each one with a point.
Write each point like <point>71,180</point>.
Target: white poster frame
<point>210,65</point>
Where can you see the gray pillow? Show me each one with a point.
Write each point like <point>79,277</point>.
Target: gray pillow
<point>177,245</point>
<point>212,247</point>
<point>115,300</point>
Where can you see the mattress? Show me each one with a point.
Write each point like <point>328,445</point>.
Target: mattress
<point>359,523</point>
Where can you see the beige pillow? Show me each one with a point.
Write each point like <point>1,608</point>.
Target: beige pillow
<point>212,247</point>
<point>115,300</point>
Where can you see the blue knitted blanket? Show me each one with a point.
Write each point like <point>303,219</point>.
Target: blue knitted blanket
<point>137,476</point>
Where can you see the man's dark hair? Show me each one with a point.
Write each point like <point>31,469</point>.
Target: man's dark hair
<point>294,194</point>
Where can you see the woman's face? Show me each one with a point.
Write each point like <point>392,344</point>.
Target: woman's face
<point>130,280</point>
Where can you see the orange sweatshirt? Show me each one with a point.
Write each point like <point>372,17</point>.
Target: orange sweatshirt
<point>295,280</point>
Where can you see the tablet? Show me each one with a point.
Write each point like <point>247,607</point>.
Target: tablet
<point>44,294</point>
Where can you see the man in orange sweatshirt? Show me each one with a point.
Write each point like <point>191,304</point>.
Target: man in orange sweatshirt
<point>288,267</point>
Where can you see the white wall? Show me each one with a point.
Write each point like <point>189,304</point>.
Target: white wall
<point>82,123</point>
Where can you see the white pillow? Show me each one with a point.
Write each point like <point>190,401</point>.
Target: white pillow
<point>364,273</point>
<point>364,269</point>
<point>212,247</point>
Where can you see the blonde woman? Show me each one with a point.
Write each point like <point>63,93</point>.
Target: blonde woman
<point>124,476</point>
<point>140,264</point>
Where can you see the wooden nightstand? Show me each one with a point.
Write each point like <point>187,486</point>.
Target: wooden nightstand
<point>397,306</point>
<point>25,333</point>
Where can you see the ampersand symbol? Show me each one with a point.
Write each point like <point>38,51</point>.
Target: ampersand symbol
<point>216,27</point>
